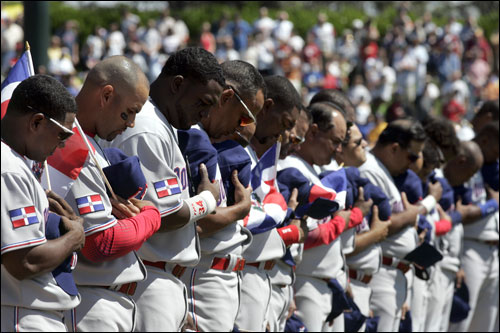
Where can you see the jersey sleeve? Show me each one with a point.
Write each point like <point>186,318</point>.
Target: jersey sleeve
<point>89,199</point>
<point>165,172</point>
<point>23,224</point>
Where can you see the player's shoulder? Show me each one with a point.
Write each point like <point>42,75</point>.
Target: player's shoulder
<point>12,162</point>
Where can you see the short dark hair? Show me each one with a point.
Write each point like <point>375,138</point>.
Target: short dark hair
<point>432,156</point>
<point>489,107</point>
<point>338,99</point>
<point>307,112</point>
<point>322,115</point>
<point>195,63</point>
<point>491,130</point>
<point>282,92</point>
<point>442,133</point>
<point>402,131</point>
<point>42,93</point>
<point>244,77</point>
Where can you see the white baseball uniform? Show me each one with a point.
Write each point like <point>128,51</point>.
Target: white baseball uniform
<point>264,250</point>
<point>103,306</point>
<point>28,304</point>
<point>389,284</point>
<point>213,292</point>
<point>480,264</point>
<point>161,298</point>
<point>313,297</point>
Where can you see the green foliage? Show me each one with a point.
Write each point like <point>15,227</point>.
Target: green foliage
<point>489,23</point>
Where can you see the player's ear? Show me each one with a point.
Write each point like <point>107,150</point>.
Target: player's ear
<point>176,83</point>
<point>106,94</point>
<point>35,121</point>
<point>268,104</point>
<point>227,94</point>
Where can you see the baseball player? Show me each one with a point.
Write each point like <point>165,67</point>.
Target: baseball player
<point>277,118</point>
<point>398,146</point>
<point>213,285</point>
<point>38,121</point>
<point>108,269</point>
<point>190,84</point>
<point>480,255</point>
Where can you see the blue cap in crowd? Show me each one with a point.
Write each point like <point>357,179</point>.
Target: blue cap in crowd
<point>425,255</point>
<point>371,324</point>
<point>196,145</point>
<point>354,319</point>
<point>339,300</point>
<point>124,174</point>
<point>405,325</point>
<point>371,192</point>
<point>460,307</point>
<point>62,273</point>
<point>232,156</point>
<point>410,183</point>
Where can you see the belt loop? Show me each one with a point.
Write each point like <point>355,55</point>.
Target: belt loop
<point>232,262</point>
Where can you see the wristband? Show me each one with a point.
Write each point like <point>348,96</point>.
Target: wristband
<point>429,203</point>
<point>456,217</point>
<point>200,205</point>
<point>290,234</point>
<point>488,207</point>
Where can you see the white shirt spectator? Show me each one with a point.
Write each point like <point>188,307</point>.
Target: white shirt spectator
<point>359,93</point>
<point>283,30</point>
<point>325,37</point>
<point>265,25</point>
<point>116,43</point>
<point>458,85</point>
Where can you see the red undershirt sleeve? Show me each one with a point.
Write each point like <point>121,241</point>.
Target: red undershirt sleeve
<point>325,233</point>
<point>125,236</point>
<point>355,218</point>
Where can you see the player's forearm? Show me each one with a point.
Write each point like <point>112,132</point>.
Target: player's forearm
<point>224,216</point>
<point>473,214</point>
<point>33,261</point>
<point>325,233</point>
<point>125,236</point>
<point>175,220</point>
<point>364,240</point>
<point>401,221</point>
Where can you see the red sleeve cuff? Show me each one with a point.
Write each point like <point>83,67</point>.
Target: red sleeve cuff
<point>356,217</point>
<point>290,234</point>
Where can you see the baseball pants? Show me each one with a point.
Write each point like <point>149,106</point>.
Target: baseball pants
<point>281,297</point>
<point>18,319</point>
<point>313,299</point>
<point>361,293</point>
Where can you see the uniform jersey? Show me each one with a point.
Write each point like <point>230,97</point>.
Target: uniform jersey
<point>485,228</point>
<point>406,240</point>
<point>24,213</point>
<point>155,142</point>
<point>325,261</point>
<point>231,238</point>
<point>89,199</point>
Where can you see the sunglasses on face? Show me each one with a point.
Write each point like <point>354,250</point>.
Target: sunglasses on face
<point>297,140</point>
<point>412,156</point>
<point>62,136</point>
<point>249,118</point>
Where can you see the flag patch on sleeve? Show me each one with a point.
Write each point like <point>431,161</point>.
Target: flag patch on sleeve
<point>23,216</point>
<point>167,187</point>
<point>89,204</point>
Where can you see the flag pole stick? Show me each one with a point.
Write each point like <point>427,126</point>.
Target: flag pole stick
<point>95,159</point>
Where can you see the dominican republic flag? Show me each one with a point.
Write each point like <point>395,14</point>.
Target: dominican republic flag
<point>167,187</point>
<point>22,70</point>
<point>23,216</point>
<point>65,164</point>
<point>89,204</point>
<point>269,208</point>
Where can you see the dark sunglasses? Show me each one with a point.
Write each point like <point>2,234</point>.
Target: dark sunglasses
<point>296,139</point>
<point>62,136</point>
<point>412,156</point>
<point>244,120</point>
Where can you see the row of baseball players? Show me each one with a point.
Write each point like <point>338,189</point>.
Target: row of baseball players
<point>180,260</point>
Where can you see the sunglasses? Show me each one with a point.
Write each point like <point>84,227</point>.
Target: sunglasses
<point>61,136</point>
<point>412,156</point>
<point>244,120</point>
<point>297,140</point>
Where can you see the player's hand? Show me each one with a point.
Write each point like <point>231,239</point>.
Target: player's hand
<point>59,206</point>
<point>123,209</point>
<point>492,194</point>
<point>380,227</point>
<point>421,236</point>
<point>348,291</point>
<point>140,204</point>
<point>442,214</point>
<point>292,202</point>
<point>291,309</point>
<point>242,195</point>
<point>411,210</point>
<point>436,190</point>
<point>206,184</point>
<point>404,309</point>
<point>76,226</point>
<point>460,278</point>
<point>188,324</point>
<point>361,203</point>
<point>462,209</point>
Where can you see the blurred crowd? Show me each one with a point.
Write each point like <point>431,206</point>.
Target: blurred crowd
<point>417,68</point>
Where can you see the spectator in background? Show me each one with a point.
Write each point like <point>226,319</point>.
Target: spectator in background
<point>151,41</point>
<point>240,30</point>
<point>116,41</point>
<point>12,35</point>
<point>165,22</point>
<point>207,38</point>
<point>181,30</point>
<point>94,48</point>
<point>264,24</point>
<point>325,36</point>
<point>171,42</point>
<point>283,27</point>
<point>128,19</point>
<point>69,39</point>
